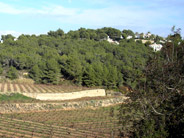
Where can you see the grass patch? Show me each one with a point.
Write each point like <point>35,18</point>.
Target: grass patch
<point>15,97</point>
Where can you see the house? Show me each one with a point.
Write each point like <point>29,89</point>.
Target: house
<point>137,36</point>
<point>156,47</point>
<point>109,39</point>
<point>142,35</point>
<point>112,41</point>
<point>144,41</point>
<point>129,37</point>
<point>148,35</point>
<point>161,41</point>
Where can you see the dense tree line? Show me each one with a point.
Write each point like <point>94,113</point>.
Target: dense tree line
<point>155,109</point>
<point>83,56</point>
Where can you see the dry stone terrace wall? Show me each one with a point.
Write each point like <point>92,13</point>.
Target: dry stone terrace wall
<point>30,107</point>
<point>67,96</point>
<point>50,92</point>
<point>44,92</point>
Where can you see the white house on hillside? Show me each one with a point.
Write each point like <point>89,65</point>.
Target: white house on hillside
<point>129,37</point>
<point>137,36</point>
<point>156,47</point>
<point>148,35</point>
<point>112,41</point>
<point>161,41</point>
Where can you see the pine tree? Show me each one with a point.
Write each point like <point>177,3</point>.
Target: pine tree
<point>52,73</point>
<point>89,76</point>
<point>36,74</point>
<point>12,73</point>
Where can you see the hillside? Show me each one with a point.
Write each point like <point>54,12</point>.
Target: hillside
<point>84,57</point>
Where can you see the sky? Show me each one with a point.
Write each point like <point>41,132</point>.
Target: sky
<point>40,16</point>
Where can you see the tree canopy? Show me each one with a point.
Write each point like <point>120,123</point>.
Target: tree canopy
<point>82,56</point>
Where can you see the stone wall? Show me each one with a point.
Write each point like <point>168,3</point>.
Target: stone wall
<point>30,107</point>
<point>67,96</point>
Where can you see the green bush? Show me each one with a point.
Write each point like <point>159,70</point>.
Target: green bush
<point>12,73</point>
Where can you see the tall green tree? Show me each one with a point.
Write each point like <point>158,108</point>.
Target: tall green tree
<point>89,76</point>
<point>52,72</point>
<point>72,69</point>
<point>36,74</point>
<point>12,73</point>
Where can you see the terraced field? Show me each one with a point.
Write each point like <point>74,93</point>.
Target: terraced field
<point>38,88</point>
<point>83,123</point>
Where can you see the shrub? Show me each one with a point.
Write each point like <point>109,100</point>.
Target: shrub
<point>12,73</point>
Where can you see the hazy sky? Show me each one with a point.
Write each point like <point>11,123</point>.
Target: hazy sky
<point>41,16</point>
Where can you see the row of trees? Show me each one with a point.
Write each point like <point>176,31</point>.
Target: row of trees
<point>89,62</point>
